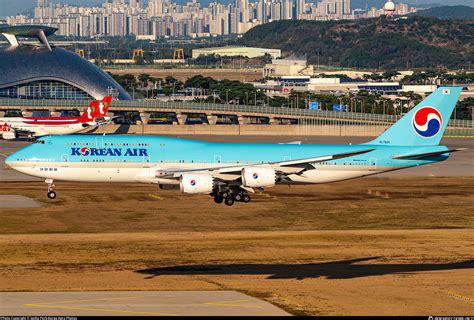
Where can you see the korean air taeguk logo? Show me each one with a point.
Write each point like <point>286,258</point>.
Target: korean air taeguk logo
<point>85,151</point>
<point>427,122</point>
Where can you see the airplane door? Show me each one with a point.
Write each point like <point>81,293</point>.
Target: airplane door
<point>217,159</point>
<point>146,162</point>
<point>372,164</point>
<point>64,160</point>
<point>99,142</point>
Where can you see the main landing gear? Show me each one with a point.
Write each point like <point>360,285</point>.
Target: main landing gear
<point>229,197</point>
<point>51,193</point>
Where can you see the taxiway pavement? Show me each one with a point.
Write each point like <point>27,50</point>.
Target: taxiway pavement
<point>135,303</point>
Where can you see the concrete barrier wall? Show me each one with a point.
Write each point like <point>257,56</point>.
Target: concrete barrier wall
<point>248,130</point>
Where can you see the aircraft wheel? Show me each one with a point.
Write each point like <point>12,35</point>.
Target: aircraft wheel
<point>246,198</point>
<point>229,201</point>
<point>51,194</point>
<point>238,197</point>
<point>218,199</point>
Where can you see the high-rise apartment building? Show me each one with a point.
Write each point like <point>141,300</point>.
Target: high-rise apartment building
<point>166,18</point>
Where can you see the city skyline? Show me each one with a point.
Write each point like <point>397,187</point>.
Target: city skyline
<point>164,18</point>
<point>9,8</point>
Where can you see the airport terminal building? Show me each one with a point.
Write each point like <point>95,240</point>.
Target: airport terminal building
<point>45,72</point>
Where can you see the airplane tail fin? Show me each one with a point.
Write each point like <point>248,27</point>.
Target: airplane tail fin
<point>89,114</point>
<point>102,107</point>
<point>96,109</point>
<point>424,125</point>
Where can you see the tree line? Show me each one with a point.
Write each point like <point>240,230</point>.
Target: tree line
<point>209,90</point>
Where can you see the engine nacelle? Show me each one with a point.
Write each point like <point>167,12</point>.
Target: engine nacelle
<point>255,177</point>
<point>196,183</point>
<point>9,135</point>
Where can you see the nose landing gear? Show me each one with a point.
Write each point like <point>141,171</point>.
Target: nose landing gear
<point>51,193</point>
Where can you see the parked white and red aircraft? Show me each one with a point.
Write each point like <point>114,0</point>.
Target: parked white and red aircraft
<point>33,127</point>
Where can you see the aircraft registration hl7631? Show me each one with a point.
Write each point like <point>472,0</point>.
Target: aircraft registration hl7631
<point>230,171</point>
<point>33,127</point>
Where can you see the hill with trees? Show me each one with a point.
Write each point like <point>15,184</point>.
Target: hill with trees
<point>448,12</point>
<point>415,42</point>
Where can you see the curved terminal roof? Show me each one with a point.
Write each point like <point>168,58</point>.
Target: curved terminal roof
<point>27,30</point>
<point>23,64</point>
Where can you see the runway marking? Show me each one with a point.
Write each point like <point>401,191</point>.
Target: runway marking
<point>460,297</point>
<point>155,196</point>
<point>233,303</point>
<point>92,300</point>
<point>98,309</point>
<point>49,305</point>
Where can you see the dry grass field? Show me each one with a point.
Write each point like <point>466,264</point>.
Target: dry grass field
<point>359,247</point>
<point>244,75</point>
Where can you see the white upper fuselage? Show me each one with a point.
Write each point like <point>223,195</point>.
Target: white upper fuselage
<point>38,127</point>
<point>149,159</point>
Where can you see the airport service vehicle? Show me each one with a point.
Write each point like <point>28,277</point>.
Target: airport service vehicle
<point>33,127</point>
<point>230,171</point>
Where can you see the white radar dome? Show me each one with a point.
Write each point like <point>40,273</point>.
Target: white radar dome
<point>389,6</point>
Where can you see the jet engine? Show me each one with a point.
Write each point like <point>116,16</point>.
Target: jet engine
<point>9,135</point>
<point>196,183</point>
<point>255,177</point>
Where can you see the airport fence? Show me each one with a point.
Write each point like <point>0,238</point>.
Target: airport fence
<point>303,117</point>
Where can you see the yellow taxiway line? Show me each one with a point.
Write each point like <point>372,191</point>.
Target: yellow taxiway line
<point>234,303</point>
<point>51,306</point>
<point>460,297</point>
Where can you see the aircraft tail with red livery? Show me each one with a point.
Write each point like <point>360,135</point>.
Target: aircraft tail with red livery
<point>33,127</point>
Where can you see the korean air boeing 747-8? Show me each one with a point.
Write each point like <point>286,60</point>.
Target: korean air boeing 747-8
<point>230,171</point>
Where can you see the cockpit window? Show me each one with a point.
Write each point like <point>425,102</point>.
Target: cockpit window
<point>39,141</point>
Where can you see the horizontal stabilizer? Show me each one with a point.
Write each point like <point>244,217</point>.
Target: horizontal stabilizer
<point>425,155</point>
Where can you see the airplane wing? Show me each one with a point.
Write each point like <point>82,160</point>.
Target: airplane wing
<point>287,166</point>
<point>11,131</point>
<point>418,156</point>
<point>291,142</point>
<point>105,120</point>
